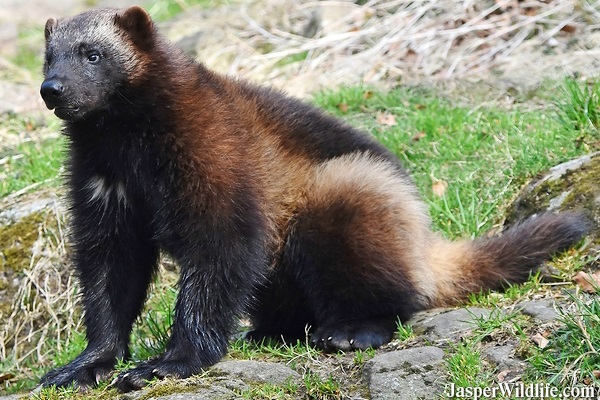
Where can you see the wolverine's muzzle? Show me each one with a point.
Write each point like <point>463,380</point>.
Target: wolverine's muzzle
<point>53,93</point>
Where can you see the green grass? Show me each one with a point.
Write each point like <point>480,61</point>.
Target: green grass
<point>465,367</point>
<point>293,354</point>
<point>362,356</point>
<point>30,50</point>
<point>579,107</point>
<point>404,332</point>
<point>163,10</point>
<point>152,330</point>
<point>29,163</point>
<point>573,356</point>
<point>270,392</point>
<point>484,155</point>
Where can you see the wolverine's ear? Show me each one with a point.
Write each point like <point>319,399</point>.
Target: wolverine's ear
<point>50,25</point>
<point>138,24</point>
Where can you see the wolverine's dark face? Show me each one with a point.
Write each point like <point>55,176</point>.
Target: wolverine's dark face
<point>88,60</point>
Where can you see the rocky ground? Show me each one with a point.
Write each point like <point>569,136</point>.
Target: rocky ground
<point>415,372</point>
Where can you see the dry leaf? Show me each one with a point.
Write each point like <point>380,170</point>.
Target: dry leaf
<point>546,334</point>
<point>587,282</point>
<point>596,373</point>
<point>367,94</point>
<point>502,375</point>
<point>541,341</point>
<point>418,136</point>
<point>439,187</point>
<point>343,107</point>
<point>411,56</point>
<point>6,377</point>
<point>386,119</point>
<point>531,11</point>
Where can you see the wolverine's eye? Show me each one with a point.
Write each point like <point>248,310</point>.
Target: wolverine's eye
<point>93,58</point>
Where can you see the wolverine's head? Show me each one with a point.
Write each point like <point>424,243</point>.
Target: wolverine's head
<point>91,56</point>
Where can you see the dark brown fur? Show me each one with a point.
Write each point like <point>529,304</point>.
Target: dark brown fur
<point>269,206</point>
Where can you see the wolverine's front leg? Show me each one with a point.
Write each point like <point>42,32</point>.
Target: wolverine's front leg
<point>114,259</point>
<point>221,260</point>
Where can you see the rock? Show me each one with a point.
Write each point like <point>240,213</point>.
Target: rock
<point>542,310</point>
<point>573,185</point>
<point>225,381</point>
<point>405,374</point>
<point>446,325</point>
<point>209,393</point>
<point>10,213</point>
<point>258,371</point>
<point>503,357</point>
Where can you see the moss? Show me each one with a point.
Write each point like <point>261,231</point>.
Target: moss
<point>261,390</point>
<point>16,242</point>
<point>574,190</point>
<point>16,249</point>
<point>585,185</point>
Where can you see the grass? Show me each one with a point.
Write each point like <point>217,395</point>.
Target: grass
<point>30,48</point>
<point>163,10</point>
<point>579,108</point>
<point>465,367</point>
<point>482,156</point>
<point>574,355</point>
<point>404,332</point>
<point>151,331</point>
<point>29,156</point>
<point>30,165</point>
<point>468,162</point>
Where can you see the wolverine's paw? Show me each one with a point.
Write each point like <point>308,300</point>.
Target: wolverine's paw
<point>79,375</point>
<point>353,336</point>
<point>139,376</point>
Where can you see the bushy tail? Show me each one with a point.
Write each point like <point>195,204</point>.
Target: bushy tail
<point>492,262</point>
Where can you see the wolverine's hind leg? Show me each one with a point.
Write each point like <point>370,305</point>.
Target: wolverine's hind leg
<point>356,251</point>
<point>280,310</point>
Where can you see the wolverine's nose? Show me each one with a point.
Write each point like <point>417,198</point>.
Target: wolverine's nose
<point>51,89</point>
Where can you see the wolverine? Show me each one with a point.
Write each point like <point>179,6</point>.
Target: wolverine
<point>270,207</point>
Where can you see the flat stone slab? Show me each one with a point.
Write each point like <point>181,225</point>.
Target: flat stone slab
<point>444,325</point>
<point>406,374</point>
<point>212,393</point>
<point>542,310</point>
<point>258,371</point>
<point>504,357</point>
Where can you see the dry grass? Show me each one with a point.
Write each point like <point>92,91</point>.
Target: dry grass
<point>42,317</point>
<point>303,45</point>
